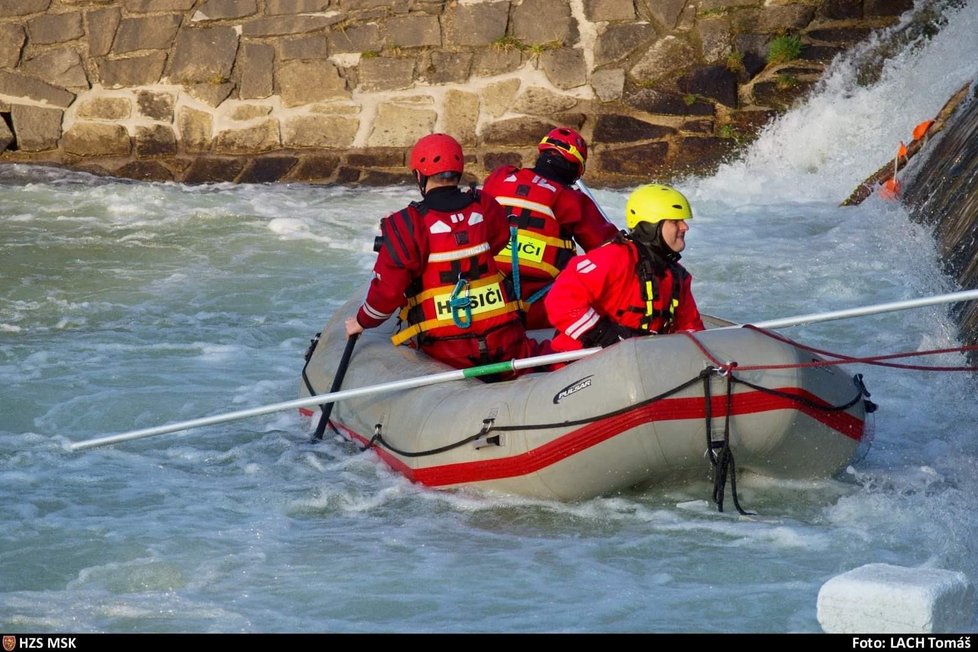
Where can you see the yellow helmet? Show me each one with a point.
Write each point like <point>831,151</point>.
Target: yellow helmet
<point>653,203</point>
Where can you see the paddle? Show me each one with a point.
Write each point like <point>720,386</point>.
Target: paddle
<point>327,408</point>
<point>587,191</point>
<point>499,367</point>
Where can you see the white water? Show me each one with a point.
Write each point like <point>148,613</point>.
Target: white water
<point>126,305</point>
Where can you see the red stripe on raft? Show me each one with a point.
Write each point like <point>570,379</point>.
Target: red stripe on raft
<point>601,430</point>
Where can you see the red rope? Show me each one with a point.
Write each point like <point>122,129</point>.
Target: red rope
<point>874,360</point>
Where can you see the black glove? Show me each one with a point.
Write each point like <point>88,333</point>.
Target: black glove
<point>605,333</point>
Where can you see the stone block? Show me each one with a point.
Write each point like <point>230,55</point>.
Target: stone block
<point>267,169</point>
<point>155,141</point>
<point>225,9</point>
<point>289,25</point>
<point>886,7</point>
<point>276,7</point>
<point>603,10</point>
<point>840,9</point>
<point>616,42</point>
<point>460,115</point>
<point>151,6</point>
<point>255,69</point>
<point>12,38</point>
<point>6,136</point>
<point>101,25</point>
<point>717,36</point>
<point>377,157</point>
<point>194,129</point>
<point>557,26</point>
<point>713,82</point>
<point>156,105</point>
<point>448,67</point>
<point>203,55</point>
<point>667,13</point>
<point>319,131</point>
<point>104,108</point>
<point>210,94</point>
<point>61,67</point>
<point>475,25</point>
<point>139,70</point>
<point>608,84</point>
<point>564,67</point>
<point>537,100</point>
<point>309,46</point>
<point>397,125</point>
<point>144,171</point>
<point>205,169</point>
<point>94,139</point>
<point>701,154</point>
<point>413,31</point>
<point>355,38</point>
<point>24,7</point>
<point>245,112</point>
<point>786,18</point>
<point>493,160</point>
<point>36,129</point>
<point>661,102</point>
<point>645,160</point>
<point>498,97</point>
<point>146,33</point>
<point>616,128</point>
<point>304,82</point>
<point>661,61</point>
<point>15,84</point>
<point>386,73</point>
<point>492,62</point>
<point>315,167</point>
<point>55,28</point>
<point>261,137</point>
<point>516,132</point>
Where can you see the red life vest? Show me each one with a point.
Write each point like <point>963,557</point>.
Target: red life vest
<point>460,292</point>
<point>652,309</point>
<point>543,246</point>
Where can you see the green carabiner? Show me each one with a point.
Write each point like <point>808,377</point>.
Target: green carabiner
<point>457,303</point>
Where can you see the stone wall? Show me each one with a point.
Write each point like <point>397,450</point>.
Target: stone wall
<point>336,91</point>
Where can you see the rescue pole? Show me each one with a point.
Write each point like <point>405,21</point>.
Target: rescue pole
<point>497,368</point>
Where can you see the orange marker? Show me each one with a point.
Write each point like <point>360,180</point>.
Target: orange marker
<point>891,189</point>
<point>921,130</point>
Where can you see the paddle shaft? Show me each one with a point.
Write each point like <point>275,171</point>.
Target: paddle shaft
<point>499,367</point>
<point>457,374</point>
<point>327,408</point>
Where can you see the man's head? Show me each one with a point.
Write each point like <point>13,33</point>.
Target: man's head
<point>656,215</point>
<point>564,150</point>
<point>438,159</point>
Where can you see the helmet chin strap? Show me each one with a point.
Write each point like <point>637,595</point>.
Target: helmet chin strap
<point>649,235</point>
<point>422,181</point>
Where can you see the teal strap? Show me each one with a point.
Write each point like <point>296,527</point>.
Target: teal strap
<point>536,296</point>
<point>514,248</point>
<point>458,303</point>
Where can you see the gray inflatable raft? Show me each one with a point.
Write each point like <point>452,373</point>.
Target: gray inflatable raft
<point>647,411</point>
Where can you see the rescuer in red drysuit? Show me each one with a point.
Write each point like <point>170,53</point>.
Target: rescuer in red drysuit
<point>633,286</point>
<point>435,265</point>
<point>549,216</point>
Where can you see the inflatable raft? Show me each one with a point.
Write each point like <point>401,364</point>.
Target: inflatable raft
<point>647,411</point>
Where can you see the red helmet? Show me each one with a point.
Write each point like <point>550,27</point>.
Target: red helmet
<point>437,153</point>
<point>568,143</point>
